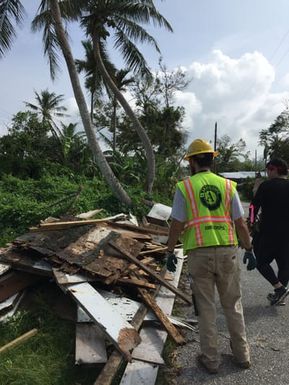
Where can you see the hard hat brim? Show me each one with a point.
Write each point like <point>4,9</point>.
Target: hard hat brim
<point>188,156</point>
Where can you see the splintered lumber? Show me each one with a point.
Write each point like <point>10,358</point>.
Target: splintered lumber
<point>170,328</point>
<point>156,250</point>
<point>156,276</point>
<point>122,334</point>
<point>137,282</point>
<point>19,340</point>
<point>68,224</point>
<point>147,230</point>
<point>89,345</point>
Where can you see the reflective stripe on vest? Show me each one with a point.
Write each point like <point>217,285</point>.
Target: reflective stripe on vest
<point>228,209</point>
<point>195,223</point>
<point>194,207</point>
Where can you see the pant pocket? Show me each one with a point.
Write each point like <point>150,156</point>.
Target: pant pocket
<point>230,264</point>
<point>198,266</point>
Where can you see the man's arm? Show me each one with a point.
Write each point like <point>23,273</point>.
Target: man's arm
<point>243,233</point>
<point>175,231</point>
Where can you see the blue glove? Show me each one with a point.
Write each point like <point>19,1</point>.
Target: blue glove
<point>250,259</point>
<point>171,261</point>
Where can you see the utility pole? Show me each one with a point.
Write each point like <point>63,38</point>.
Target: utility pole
<point>255,161</point>
<point>215,145</point>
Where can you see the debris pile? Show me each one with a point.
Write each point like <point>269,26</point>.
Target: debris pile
<point>98,262</point>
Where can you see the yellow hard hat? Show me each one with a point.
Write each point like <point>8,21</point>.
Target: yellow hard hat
<point>199,146</point>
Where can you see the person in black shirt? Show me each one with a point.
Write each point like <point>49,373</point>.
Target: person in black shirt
<point>272,197</point>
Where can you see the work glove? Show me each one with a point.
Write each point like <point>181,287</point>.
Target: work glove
<point>171,261</point>
<point>250,259</point>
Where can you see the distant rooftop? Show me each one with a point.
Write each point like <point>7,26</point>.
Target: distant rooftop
<point>240,174</point>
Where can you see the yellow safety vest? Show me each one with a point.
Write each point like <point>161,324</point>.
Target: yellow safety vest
<point>208,203</point>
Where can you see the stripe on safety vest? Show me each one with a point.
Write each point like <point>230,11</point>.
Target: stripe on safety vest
<point>194,207</point>
<point>228,208</point>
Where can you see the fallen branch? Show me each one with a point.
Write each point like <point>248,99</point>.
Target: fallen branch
<point>19,340</point>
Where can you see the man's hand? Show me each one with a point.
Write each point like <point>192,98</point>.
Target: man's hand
<point>250,259</point>
<point>171,261</point>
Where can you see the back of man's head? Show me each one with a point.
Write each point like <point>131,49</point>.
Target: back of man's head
<point>204,160</point>
<point>279,164</point>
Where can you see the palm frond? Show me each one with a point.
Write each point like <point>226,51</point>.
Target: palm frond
<point>132,56</point>
<point>135,32</point>
<point>143,12</point>
<point>43,21</point>
<point>11,12</point>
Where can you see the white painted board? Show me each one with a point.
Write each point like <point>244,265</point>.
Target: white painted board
<point>109,321</point>
<point>89,345</point>
<point>4,268</point>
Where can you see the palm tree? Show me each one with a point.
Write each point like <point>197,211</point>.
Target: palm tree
<point>121,81</point>
<point>55,37</point>
<point>122,18</point>
<point>47,107</point>
<point>95,84</point>
<point>93,79</point>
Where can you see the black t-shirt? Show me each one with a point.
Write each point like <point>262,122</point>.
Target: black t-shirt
<point>273,198</point>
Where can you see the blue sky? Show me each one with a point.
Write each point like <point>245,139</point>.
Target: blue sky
<point>236,52</point>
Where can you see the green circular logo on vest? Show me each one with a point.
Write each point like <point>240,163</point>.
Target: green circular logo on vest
<point>210,197</point>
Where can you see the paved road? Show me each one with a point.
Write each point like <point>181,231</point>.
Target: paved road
<point>267,330</point>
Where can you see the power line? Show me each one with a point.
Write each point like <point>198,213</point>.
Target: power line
<point>279,45</point>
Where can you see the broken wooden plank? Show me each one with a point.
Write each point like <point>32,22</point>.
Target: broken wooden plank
<point>22,261</point>
<point>66,279</point>
<point>122,334</point>
<point>154,340</point>
<point>141,229</point>
<point>169,327</point>
<point>89,345</point>
<point>89,214</point>
<point>151,272</point>
<point>15,281</point>
<point>19,340</point>
<point>136,282</point>
<point>115,360</point>
<point>140,373</point>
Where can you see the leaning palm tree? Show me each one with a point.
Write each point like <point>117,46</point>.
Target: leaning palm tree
<point>55,38</point>
<point>122,19</point>
<point>48,106</point>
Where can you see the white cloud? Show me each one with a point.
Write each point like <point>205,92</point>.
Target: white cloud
<point>235,92</point>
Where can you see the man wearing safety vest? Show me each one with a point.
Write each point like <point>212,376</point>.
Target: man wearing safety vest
<point>207,212</point>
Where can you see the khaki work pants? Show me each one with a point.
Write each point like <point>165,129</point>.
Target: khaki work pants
<point>218,266</point>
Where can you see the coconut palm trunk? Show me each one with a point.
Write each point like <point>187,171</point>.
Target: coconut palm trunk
<point>84,113</point>
<point>128,110</point>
